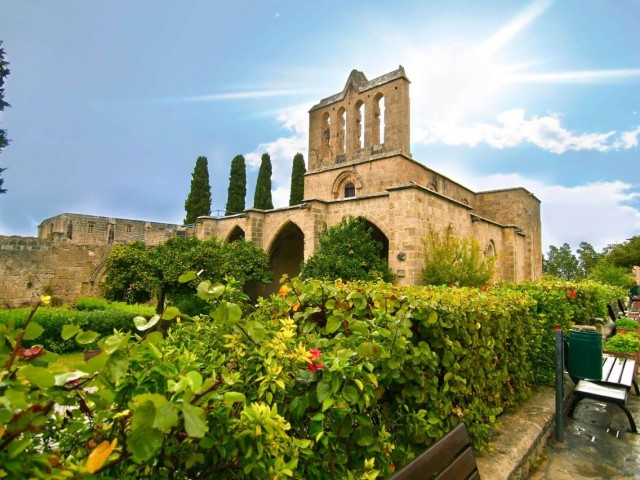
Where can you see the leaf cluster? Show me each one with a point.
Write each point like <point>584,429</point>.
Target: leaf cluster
<point>449,259</point>
<point>348,251</point>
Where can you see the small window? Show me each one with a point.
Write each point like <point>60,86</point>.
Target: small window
<point>70,231</point>
<point>349,190</point>
<point>91,228</point>
<point>128,228</point>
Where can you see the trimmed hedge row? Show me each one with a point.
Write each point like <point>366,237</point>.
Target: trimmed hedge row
<point>52,319</point>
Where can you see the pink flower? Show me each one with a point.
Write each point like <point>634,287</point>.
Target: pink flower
<point>314,367</point>
<point>315,353</point>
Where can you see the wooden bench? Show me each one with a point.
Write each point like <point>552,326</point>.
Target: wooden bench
<point>618,375</point>
<point>450,458</point>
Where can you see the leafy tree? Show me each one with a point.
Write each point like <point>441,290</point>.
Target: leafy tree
<point>562,263</point>
<point>606,272</point>
<point>199,200</point>
<point>626,254</point>
<point>588,257</point>
<point>262,197</point>
<point>297,180</point>
<point>348,251</point>
<point>4,71</point>
<point>237,186</point>
<point>137,273</point>
<point>452,260</point>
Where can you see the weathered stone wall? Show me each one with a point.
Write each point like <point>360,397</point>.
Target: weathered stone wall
<point>31,266</point>
<point>94,230</point>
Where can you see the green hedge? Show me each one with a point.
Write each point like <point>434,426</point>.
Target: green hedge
<point>52,319</point>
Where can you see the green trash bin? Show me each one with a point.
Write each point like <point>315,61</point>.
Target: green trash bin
<point>585,355</point>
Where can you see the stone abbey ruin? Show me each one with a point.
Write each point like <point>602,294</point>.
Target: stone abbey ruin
<point>358,163</point>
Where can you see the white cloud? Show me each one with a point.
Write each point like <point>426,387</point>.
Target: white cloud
<point>599,213</point>
<point>282,150</point>
<point>513,129</point>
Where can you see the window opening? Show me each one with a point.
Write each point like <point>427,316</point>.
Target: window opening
<point>70,231</point>
<point>349,190</point>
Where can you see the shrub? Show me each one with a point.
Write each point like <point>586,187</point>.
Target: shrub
<point>348,251</point>
<point>452,260</point>
<point>625,343</point>
<point>627,324</point>
<point>91,303</point>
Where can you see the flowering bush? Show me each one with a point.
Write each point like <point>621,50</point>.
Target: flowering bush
<point>324,380</point>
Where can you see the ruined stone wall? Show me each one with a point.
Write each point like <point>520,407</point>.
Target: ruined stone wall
<point>94,230</point>
<point>521,209</point>
<point>31,266</point>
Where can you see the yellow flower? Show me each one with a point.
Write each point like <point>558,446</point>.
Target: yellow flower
<point>100,454</point>
<point>45,299</point>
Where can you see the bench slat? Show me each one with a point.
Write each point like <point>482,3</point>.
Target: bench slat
<point>451,454</point>
<point>461,468</point>
<point>596,390</point>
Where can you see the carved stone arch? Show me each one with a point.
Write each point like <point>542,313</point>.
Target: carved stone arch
<point>235,234</point>
<point>432,186</point>
<point>341,131</point>
<point>490,249</point>
<point>286,253</point>
<point>337,189</point>
<point>378,127</point>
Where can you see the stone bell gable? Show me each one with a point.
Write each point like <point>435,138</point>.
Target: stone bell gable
<point>367,118</point>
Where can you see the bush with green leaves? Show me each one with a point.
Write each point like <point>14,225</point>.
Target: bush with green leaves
<point>623,343</point>
<point>91,303</point>
<point>627,324</point>
<point>326,379</point>
<point>348,251</point>
<point>136,272</point>
<point>449,259</point>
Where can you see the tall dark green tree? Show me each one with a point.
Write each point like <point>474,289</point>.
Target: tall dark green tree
<point>199,200</point>
<point>262,197</point>
<point>297,180</point>
<point>562,263</point>
<point>4,71</point>
<point>588,257</point>
<point>237,186</point>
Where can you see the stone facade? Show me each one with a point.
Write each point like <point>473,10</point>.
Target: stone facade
<point>93,230</point>
<point>30,266</point>
<point>360,165</point>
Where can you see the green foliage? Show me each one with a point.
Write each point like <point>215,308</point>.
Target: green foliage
<point>627,324</point>
<point>198,202</point>
<point>588,257</point>
<point>262,196</point>
<point>606,272</point>
<point>136,273</point>
<point>451,260</point>
<point>625,254</point>
<point>298,170</point>
<point>91,303</point>
<point>625,343</point>
<point>325,380</point>
<point>348,251</point>
<point>237,186</point>
<point>562,263</point>
<point>4,72</point>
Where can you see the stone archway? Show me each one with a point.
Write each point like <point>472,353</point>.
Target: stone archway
<point>235,234</point>
<point>380,237</point>
<point>286,254</point>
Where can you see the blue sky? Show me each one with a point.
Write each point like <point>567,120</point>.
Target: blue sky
<point>113,101</point>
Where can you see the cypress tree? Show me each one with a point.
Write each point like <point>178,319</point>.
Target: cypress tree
<point>199,200</point>
<point>4,71</point>
<point>237,186</point>
<point>262,198</point>
<point>297,180</point>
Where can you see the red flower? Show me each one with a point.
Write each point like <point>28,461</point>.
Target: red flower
<point>315,353</point>
<point>392,467</point>
<point>485,288</point>
<point>314,367</point>
<point>573,294</point>
<point>32,352</point>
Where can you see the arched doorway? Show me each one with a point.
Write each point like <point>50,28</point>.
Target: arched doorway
<point>236,234</point>
<point>380,237</point>
<point>285,255</point>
